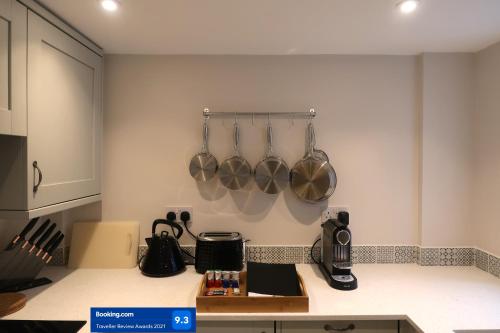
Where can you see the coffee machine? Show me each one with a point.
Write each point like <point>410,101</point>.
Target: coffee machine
<point>336,260</point>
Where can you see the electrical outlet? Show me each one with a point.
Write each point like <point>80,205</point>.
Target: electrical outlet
<point>179,210</point>
<point>332,212</point>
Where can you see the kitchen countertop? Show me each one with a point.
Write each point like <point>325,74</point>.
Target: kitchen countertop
<point>435,299</point>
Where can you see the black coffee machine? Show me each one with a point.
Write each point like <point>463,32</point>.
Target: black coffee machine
<point>336,260</point>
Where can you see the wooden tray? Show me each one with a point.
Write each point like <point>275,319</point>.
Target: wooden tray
<point>245,304</point>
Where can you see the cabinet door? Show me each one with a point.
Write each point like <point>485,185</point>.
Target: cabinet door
<point>12,68</point>
<point>5,114</point>
<point>405,327</point>
<point>64,123</point>
<point>361,326</point>
<point>235,327</point>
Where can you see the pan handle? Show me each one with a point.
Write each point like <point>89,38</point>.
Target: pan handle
<point>311,140</point>
<point>204,147</point>
<point>236,138</point>
<point>313,137</point>
<point>269,140</point>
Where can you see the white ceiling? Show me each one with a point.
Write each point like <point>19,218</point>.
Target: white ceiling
<point>284,26</point>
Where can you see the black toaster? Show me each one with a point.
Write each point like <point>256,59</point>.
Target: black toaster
<point>219,251</point>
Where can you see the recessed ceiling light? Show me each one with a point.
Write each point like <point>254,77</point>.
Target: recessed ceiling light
<point>408,6</point>
<point>109,5</point>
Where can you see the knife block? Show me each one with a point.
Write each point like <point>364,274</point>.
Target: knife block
<point>24,281</point>
<point>9,286</point>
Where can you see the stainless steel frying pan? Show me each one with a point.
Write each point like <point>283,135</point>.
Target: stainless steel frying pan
<point>313,179</point>
<point>235,172</point>
<point>203,165</point>
<point>272,174</point>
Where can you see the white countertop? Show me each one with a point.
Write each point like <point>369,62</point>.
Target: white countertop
<point>436,299</point>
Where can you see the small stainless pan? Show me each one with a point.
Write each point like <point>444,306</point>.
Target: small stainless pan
<point>272,174</point>
<point>313,179</point>
<point>235,172</point>
<point>203,165</point>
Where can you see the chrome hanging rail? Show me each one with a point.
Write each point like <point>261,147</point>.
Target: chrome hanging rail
<point>284,115</point>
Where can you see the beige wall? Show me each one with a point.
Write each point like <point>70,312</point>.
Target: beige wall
<point>446,149</point>
<point>367,123</point>
<point>486,215</point>
<point>417,160</point>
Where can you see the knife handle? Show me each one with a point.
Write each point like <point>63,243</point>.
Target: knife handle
<point>49,243</point>
<point>37,233</point>
<point>28,227</point>
<point>53,247</point>
<point>44,237</point>
<point>23,233</point>
<point>56,244</point>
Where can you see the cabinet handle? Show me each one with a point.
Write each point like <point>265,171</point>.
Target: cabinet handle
<point>35,166</point>
<point>329,328</point>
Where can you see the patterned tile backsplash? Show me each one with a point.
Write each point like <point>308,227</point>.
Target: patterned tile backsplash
<point>364,254</point>
<point>360,254</point>
<point>482,260</point>
<point>428,257</point>
<point>316,252</point>
<point>385,254</point>
<point>494,265</point>
<point>405,254</point>
<point>456,256</point>
<point>60,257</point>
<point>276,254</point>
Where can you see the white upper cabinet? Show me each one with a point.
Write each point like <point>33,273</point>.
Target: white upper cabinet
<point>51,149</point>
<point>4,65</point>
<point>12,68</point>
<point>64,105</point>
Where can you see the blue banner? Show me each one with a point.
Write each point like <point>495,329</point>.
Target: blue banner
<point>142,320</point>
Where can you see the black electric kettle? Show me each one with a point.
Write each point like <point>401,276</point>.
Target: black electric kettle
<point>163,257</point>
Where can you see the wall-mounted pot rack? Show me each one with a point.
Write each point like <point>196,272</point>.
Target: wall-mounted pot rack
<point>312,178</point>
<point>207,114</point>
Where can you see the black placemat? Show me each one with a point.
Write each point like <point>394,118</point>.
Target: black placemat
<point>273,279</point>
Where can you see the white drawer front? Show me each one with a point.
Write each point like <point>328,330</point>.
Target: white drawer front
<point>365,326</point>
<point>235,327</point>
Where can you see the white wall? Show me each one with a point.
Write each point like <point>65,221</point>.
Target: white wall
<point>486,214</point>
<point>446,149</point>
<point>411,149</point>
<point>367,123</point>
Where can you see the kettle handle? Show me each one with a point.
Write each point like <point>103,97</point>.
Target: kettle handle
<point>170,223</point>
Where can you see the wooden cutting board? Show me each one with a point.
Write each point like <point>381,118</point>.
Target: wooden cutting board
<point>104,244</point>
<point>11,302</point>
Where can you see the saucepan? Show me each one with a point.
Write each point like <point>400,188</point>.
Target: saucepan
<point>313,179</point>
